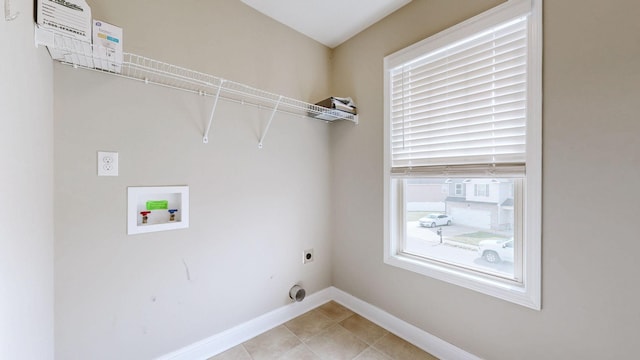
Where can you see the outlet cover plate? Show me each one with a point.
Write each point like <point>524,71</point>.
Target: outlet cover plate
<point>107,163</point>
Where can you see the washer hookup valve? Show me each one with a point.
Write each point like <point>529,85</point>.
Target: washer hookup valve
<point>144,216</point>
<point>172,217</point>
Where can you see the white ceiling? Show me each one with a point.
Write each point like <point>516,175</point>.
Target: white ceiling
<point>330,22</point>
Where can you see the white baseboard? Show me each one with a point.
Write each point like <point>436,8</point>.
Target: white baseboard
<point>227,339</point>
<point>418,337</point>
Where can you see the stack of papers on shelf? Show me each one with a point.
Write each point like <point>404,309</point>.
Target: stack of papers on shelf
<point>336,108</point>
<point>107,46</point>
<point>72,20</point>
<point>343,104</point>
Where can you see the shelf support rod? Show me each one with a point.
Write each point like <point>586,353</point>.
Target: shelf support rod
<point>7,11</point>
<point>205,138</point>
<point>266,129</point>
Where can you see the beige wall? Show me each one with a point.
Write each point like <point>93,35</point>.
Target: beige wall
<point>26,182</point>
<point>224,38</point>
<point>591,165</point>
<point>253,211</point>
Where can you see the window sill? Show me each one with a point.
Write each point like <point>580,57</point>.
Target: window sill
<point>528,296</point>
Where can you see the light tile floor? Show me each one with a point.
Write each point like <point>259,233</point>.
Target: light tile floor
<point>329,332</point>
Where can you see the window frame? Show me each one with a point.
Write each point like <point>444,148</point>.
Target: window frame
<point>527,292</point>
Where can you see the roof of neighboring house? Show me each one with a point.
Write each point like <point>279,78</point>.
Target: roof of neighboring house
<point>428,181</point>
<point>463,200</point>
<point>507,202</point>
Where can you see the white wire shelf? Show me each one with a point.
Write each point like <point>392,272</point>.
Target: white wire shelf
<point>135,67</point>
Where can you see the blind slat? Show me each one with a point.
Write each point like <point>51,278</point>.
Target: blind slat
<point>466,116</point>
<point>492,83</point>
<point>496,43</point>
<point>481,170</point>
<point>450,68</point>
<point>462,107</point>
<point>467,102</point>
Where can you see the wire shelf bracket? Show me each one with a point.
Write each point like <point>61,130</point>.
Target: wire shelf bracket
<point>205,138</point>
<point>266,129</point>
<point>78,54</point>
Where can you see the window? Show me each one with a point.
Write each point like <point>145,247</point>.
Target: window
<point>481,190</point>
<point>463,114</point>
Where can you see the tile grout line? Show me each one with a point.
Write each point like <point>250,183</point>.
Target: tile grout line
<point>372,345</point>
<point>338,323</point>
<point>380,350</point>
<point>302,341</point>
<point>354,335</point>
<point>246,351</point>
<point>361,352</point>
<point>333,323</point>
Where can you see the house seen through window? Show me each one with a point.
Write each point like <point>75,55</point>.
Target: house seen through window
<point>473,231</point>
<point>481,190</point>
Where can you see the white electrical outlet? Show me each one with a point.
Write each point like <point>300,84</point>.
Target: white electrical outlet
<point>307,256</point>
<point>107,163</point>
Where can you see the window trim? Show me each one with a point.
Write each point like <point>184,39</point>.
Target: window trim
<point>528,293</point>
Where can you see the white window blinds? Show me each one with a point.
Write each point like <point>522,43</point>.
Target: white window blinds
<point>463,106</point>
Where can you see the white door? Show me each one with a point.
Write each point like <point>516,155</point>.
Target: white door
<point>473,218</point>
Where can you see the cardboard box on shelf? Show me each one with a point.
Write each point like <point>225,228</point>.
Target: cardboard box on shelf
<point>72,20</point>
<point>107,46</point>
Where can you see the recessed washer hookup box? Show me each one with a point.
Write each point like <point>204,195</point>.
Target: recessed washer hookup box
<point>107,46</point>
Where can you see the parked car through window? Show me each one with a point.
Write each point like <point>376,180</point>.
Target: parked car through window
<point>434,220</point>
